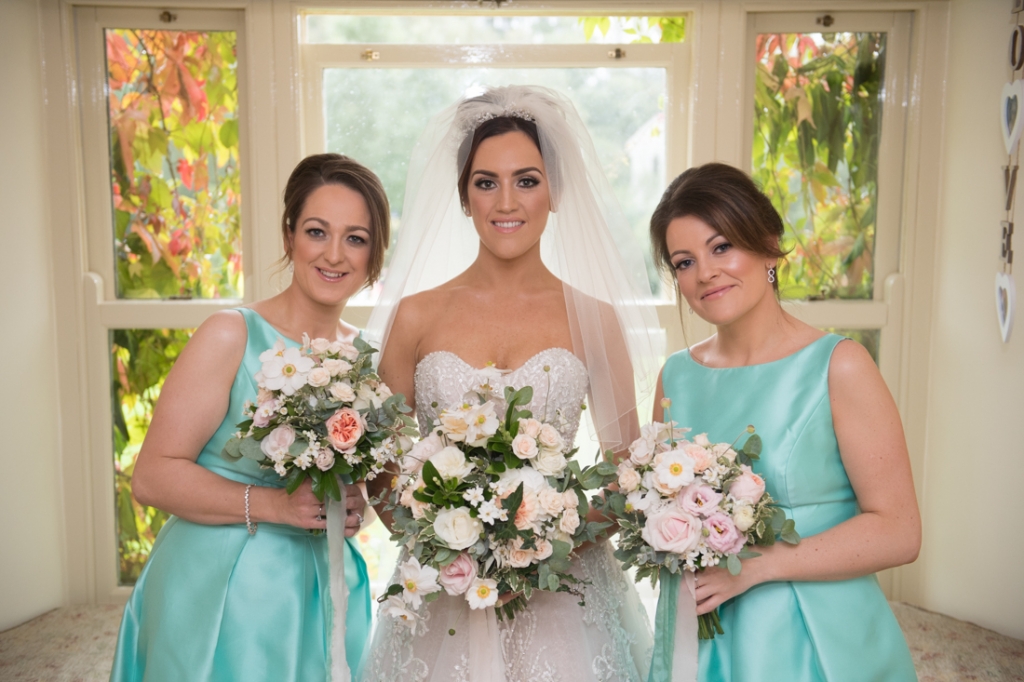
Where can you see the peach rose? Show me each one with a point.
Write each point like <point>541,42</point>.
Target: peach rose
<point>749,487</point>
<point>318,376</point>
<point>702,457</point>
<point>344,428</point>
<point>570,521</point>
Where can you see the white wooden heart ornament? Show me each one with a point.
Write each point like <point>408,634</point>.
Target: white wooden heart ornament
<point>1006,293</point>
<point>1011,114</point>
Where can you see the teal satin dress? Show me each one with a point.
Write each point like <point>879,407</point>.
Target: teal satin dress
<point>214,603</point>
<point>790,631</point>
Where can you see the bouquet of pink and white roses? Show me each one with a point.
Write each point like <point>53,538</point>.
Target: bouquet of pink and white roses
<point>487,506</point>
<point>688,505</point>
<point>322,412</point>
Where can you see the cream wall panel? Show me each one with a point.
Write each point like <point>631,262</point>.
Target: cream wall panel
<point>970,565</point>
<point>31,561</point>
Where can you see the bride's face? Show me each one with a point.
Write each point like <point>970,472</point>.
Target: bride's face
<point>508,194</point>
<point>330,248</point>
<point>719,281</point>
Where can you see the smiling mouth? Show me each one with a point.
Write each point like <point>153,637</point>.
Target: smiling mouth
<point>715,293</point>
<point>330,275</point>
<point>507,226</point>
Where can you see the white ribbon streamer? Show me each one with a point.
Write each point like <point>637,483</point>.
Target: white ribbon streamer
<point>339,588</point>
<point>486,662</point>
<point>685,645</point>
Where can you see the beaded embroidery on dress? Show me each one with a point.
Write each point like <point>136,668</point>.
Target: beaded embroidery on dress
<point>554,639</point>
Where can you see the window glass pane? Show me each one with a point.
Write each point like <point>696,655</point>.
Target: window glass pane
<point>140,360</point>
<point>490,29</point>
<point>174,168</point>
<point>868,338</point>
<point>622,108</point>
<point>817,123</point>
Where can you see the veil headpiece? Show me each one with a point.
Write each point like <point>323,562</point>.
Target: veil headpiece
<point>587,244</point>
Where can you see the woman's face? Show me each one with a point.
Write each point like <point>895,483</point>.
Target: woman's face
<point>508,194</point>
<point>330,246</point>
<point>720,282</point>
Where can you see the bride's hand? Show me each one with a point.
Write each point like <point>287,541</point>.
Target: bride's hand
<point>355,507</point>
<point>506,597</point>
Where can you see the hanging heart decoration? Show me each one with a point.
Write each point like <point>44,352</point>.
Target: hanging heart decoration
<point>1006,294</point>
<point>1011,114</point>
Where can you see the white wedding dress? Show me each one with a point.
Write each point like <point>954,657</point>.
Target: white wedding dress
<point>555,639</point>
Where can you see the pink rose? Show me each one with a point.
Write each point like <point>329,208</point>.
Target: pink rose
<point>724,537</point>
<point>344,428</point>
<point>672,530</point>
<point>749,487</point>
<point>702,457</point>
<point>265,411</point>
<point>457,576</point>
<point>276,444</point>
<point>699,499</point>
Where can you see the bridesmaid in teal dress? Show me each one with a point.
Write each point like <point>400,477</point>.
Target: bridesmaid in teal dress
<point>237,587</point>
<point>834,458</point>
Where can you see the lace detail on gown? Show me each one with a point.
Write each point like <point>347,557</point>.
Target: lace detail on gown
<point>554,639</point>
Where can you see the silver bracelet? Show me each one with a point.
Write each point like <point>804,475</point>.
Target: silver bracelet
<point>248,521</point>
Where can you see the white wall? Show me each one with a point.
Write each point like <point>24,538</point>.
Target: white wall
<point>31,572</point>
<point>972,556</point>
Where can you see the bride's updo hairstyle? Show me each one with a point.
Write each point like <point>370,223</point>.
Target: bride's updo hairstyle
<point>726,199</point>
<point>492,127</point>
<point>318,170</point>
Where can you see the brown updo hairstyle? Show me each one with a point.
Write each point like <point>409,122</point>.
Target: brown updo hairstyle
<point>493,127</point>
<point>335,169</point>
<point>726,199</point>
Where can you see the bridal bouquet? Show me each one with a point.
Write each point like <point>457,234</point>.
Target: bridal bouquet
<point>687,505</point>
<point>322,412</point>
<point>487,506</point>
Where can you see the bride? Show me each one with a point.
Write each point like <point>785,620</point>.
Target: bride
<point>547,297</point>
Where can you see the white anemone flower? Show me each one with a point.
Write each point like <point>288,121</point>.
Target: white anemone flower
<point>482,593</point>
<point>286,371</point>
<point>399,610</point>
<point>417,581</point>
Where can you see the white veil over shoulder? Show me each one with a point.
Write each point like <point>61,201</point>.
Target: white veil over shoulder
<point>587,244</point>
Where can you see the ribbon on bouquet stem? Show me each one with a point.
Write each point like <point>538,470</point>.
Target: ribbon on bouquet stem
<point>339,589</point>
<point>486,662</point>
<point>675,630</point>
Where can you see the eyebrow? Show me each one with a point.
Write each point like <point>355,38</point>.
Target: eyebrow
<point>492,174</point>
<point>323,222</point>
<point>709,240</point>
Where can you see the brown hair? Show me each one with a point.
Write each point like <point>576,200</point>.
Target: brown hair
<point>335,169</point>
<point>726,199</point>
<point>493,127</point>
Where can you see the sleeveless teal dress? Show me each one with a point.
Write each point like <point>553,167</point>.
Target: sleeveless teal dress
<point>842,631</point>
<point>214,603</point>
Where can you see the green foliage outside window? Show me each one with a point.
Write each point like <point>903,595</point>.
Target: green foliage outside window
<point>817,125</point>
<point>175,180</point>
<point>139,362</point>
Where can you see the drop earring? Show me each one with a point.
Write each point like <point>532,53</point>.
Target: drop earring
<point>771,275</point>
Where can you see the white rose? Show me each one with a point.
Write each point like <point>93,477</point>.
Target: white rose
<point>413,460</point>
<point>531,427</point>
<point>570,500</point>
<point>457,528</point>
<point>641,451</point>
<point>743,517</point>
<point>336,367</point>
<point>365,397</point>
<point>550,501</point>
<point>344,349</point>
<point>570,521</point>
<point>532,480</point>
<point>454,424</point>
<point>549,462</point>
<point>318,376</point>
<point>701,439</point>
<point>324,459</point>
<point>549,438</point>
<point>276,444</point>
<point>342,392</point>
<point>629,479</point>
<point>320,346</point>
<point>524,447</point>
<point>450,462</point>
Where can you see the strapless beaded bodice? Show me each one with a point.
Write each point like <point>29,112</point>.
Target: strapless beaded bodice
<point>559,380</point>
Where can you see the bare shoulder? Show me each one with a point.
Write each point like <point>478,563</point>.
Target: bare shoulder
<point>415,310</point>
<point>224,330</point>
<point>851,364</point>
